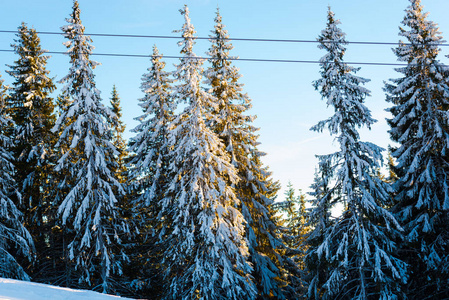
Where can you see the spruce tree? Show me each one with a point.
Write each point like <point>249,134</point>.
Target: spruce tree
<point>419,126</point>
<point>149,171</point>
<point>149,146</point>
<point>15,240</point>
<point>118,128</point>
<point>292,219</point>
<point>256,190</point>
<point>125,207</point>
<point>88,210</point>
<point>319,219</point>
<point>357,248</point>
<point>206,251</point>
<point>32,111</point>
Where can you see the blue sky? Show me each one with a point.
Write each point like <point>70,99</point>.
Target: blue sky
<point>284,100</point>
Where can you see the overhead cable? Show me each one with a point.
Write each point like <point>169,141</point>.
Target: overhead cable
<point>229,58</point>
<point>212,38</point>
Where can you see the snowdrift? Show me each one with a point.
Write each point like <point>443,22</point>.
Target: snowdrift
<point>11,289</point>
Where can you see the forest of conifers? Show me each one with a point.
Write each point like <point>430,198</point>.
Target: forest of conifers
<point>186,208</point>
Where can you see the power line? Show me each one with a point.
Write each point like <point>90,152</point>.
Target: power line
<point>230,58</point>
<point>230,39</point>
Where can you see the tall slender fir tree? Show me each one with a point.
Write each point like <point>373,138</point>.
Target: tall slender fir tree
<point>150,167</point>
<point>420,126</point>
<point>150,143</point>
<point>88,210</point>
<point>292,218</point>
<point>118,128</point>
<point>15,240</point>
<point>319,219</point>
<point>206,253</point>
<point>32,111</point>
<point>255,190</point>
<point>125,208</point>
<point>357,247</point>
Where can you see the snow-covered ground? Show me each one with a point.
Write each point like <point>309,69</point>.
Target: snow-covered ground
<point>21,290</point>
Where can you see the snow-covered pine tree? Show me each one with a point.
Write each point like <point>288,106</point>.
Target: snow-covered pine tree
<point>292,219</point>
<point>255,189</point>
<point>288,212</point>
<point>88,210</point>
<point>149,169</point>
<point>420,103</point>
<point>319,219</point>
<point>118,128</point>
<point>32,111</point>
<point>15,240</point>
<point>357,248</point>
<point>149,146</point>
<point>125,208</point>
<point>206,252</point>
<point>321,191</point>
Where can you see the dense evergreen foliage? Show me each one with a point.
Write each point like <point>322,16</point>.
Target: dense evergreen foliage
<point>293,227</point>
<point>88,209</point>
<point>188,210</point>
<point>32,110</point>
<point>420,103</point>
<point>15,240</point>
<point>356,247</point>
<point>205,252</point>
<point>149,172</point>
<point>150,145</point>
<point>118,128</point>
<point>255,189</point>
